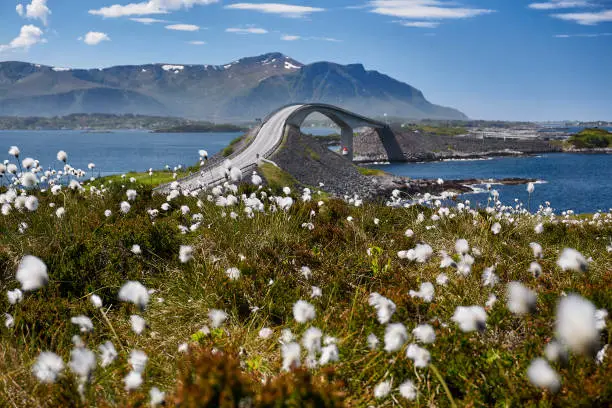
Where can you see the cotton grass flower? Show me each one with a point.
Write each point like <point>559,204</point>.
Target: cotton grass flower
<point>96,301</point>
<point>59,213</point>
<point>14,296</point>
<point>542,375</point>
<point>535,269</point>
<point>138,324</point>
<point>572,260</point>
<point>232,273</point>
<point>462,246</point>
<point>316,292</point>
<point>125,207</point>
<point>442,279</point>
<point>217,317</point>
<point>85,324</point>
<point>576,324</point>
<point>306,272</point>
<point>303,311</point>
<point>422,253</point>
<point>419,355</point>
<point>108,213</point>
<point>408,390</point>
<point>555,351</point>
<point>265,333</point>
<point>185,253</point>
<point>82,362</point>
<point>136,249</point>
<point>31,203</point>
<point>62,156</point>
<point>409,233</point>
<point>537,250</point>
<point>32,273</point>
<point>496,228</point>
<point>424,333</point>
<point>290,353</point>
<point>384,307</point>
<point>470,318</point>
<point>131,194</point>
<point>134,292</point>
<point>48,367</point>
<point>520,299</point>
<point>383,389</point>
<point>28,180</point>
<point>108,354</point>
<point>9,321</point>
<point>14,151</point>
<point>425,292</point>
<point>156,397</point>
<point>538,229</point>
<point>132,381</point>
<point>395,337</point>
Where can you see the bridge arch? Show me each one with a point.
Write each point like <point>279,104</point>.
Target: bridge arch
<point>347,122</point>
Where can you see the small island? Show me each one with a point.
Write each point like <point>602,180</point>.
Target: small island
<point>590,138</point>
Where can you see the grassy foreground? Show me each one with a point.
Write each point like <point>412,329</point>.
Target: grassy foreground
<point>350,258</point>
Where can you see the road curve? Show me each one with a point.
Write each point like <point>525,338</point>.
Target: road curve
<point>265,142</point>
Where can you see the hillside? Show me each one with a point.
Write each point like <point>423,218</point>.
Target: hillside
<point>591,138</point>
<point>242,90</point>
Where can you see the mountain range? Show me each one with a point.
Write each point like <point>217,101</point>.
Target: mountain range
<point>240,91</point>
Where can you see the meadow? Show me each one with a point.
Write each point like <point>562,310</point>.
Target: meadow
<point>258,294</point>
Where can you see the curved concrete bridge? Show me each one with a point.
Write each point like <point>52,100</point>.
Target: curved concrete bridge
<point>270,133</point>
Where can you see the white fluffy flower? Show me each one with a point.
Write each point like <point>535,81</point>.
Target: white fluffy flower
<point>32,273</point>
<point>329,354</point>
<point>408,390</point>
<point>232,273</point>
<point>555,351</point>
<point>265,332</point>
<point>62,156</point>
<point>9,321</point>
<point>372,341</point>
<point>216,317</point>
<point>384,307</point>
<point>107,353</point>
<point>409,233</point>
<point>82,362</point>
<point>424,333</point>
<point>311,340</point>
<point>572,260</point>
<point>576,324</point>
<point>520,299</point>
<point>535,269</point>
<point>85,324</point>
<point>537,250</point>
<point>496,228</point>
<point>442,279</point>
<point>395,337</point>
<point>422,252</point>
<point>306,272</point>
<point>47,367</point>
<point>136,249</point>
<point>59,213</point>
<point>131,194</point>
<point>316,292</point>
<point>426,292</point>
<point>489,278</point>
<point>108,213</point>
<point>138,323</point>
<point>14,296</point>
<point>134,292</point>
<point>462,246</point>
<point>470,318</point>
<point>96,301</point>
<point>291,355</point>
<point>542,375</point>
<point>382,389</point>
<point>28,179</point>
<point>185,253</point>
<point>539,228</point>
<point>419,355</point>
<point>132,381</point>
<point>156,397</point>
<point>125,207</point>
<point>303,311</point>
<point>138,360</point>
<point>31,203</point>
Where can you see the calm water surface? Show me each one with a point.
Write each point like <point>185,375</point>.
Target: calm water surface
<point>580,182</point>
<point>115,152</point>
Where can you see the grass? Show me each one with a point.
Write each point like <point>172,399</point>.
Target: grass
<point>368,171</point>
<point>591,138</point>
<point>143,178</point>
<point>86,253</point>
<point>437,130</point>
<point>276,177</point>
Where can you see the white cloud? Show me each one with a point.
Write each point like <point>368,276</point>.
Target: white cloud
<point>583,35</point>
<point>147,7</point>
<point>290,37</point>
<point>249,30</point>
<point>36,10</point>
<point>604,16</point>
<point>424,9</point>
<point>285,10</point>
<point>287,37</point>
<point>29,35</point>
<point>560,4</point>
<point>183,27</point>
<point>94,38</point>
<point>420,24</point>
<point>148,20</point>
<point>196,42</point>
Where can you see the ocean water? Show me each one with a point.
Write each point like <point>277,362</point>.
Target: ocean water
<point>580,182</point>
<point>115,152</point>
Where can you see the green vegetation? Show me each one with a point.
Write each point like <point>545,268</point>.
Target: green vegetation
<point>99,121</point>
<point>312,154</point>
<point>228,151</point>
<point>437,130</point>
<point>276,177</point>
<point>368,171</point>
<point>591,138</point>
<point>88,253</point>
<point>158,177</point>
<point>201,127</point>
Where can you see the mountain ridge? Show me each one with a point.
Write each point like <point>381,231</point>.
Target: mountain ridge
<point>241,90</point>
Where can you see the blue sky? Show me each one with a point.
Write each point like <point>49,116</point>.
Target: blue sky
<point>492,59</point>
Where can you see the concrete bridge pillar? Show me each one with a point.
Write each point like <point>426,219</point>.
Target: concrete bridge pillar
<point>347,142</point>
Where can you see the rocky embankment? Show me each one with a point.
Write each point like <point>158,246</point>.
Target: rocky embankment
<point>311,163</point>
<point>416,147</point>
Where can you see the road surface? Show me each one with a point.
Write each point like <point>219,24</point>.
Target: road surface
<point>264,144</point>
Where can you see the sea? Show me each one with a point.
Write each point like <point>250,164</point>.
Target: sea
<point>578,182</point>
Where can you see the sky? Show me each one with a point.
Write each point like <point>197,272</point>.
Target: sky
<point>492,59</point>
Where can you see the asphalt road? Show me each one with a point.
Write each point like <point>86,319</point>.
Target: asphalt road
<point>269,136</point>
